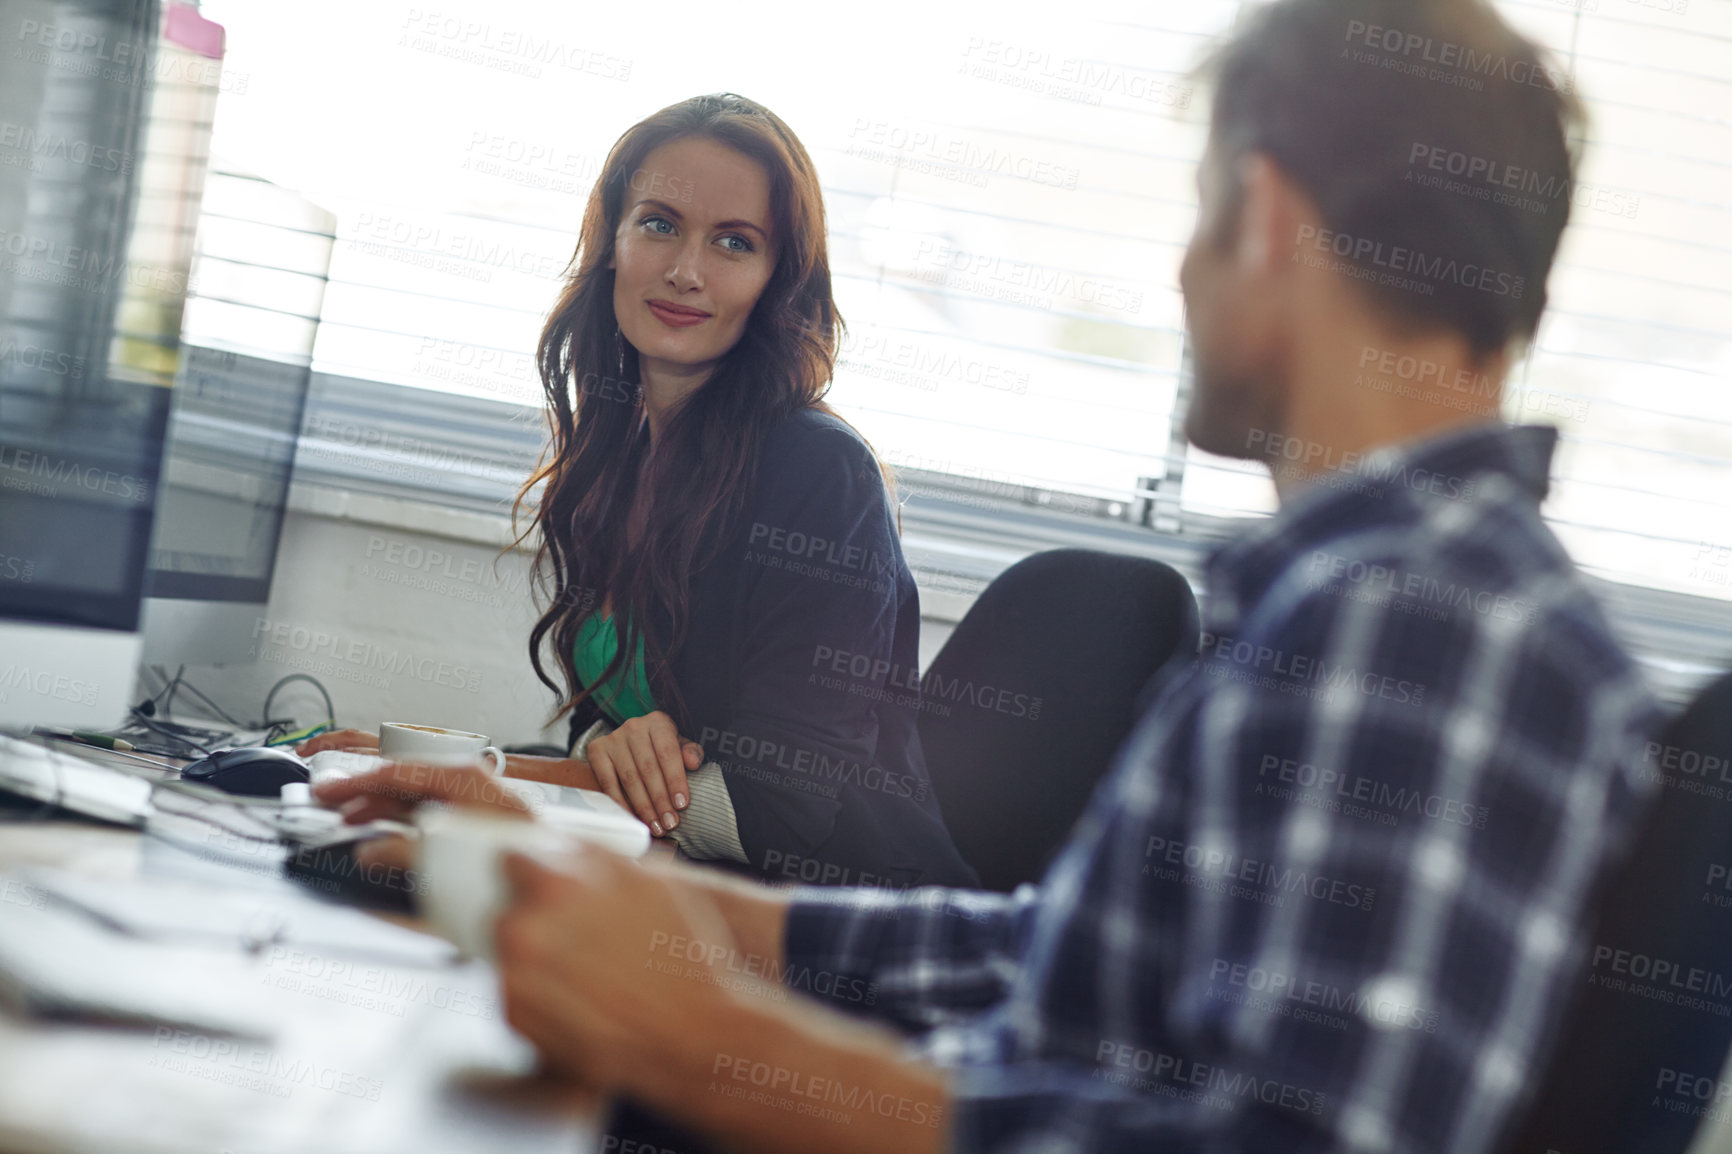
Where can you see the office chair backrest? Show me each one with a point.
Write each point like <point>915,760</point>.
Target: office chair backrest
<point>1638,1062</point>
<point>1023,708</point>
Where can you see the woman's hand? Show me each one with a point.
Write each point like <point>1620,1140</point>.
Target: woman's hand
<point>643,766</point>
<point>396,789</point>
<point>339,739</point>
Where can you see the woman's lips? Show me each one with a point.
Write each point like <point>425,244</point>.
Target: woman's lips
<point>678,318</point>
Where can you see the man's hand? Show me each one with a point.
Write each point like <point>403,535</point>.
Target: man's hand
<point>589,972</point>
<point>629,979</point>
<point>397,788</point>
<point>643,766</point>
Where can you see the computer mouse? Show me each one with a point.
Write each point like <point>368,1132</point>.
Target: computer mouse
<point>257,771</point>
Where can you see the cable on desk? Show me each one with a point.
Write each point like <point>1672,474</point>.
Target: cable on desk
<point>160,699</point>
<point>302,735</point>
<point>139,716</point>
<point>222,714</point>
<point>330,709</point>
<point>278,731</point>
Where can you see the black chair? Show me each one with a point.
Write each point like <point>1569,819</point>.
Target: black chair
<point>1022,710</point>
<point>1636,1070</point>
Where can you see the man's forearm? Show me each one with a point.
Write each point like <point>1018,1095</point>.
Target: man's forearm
<point>757,915</point>
<point>568,771</point>
<point>787,1077</point>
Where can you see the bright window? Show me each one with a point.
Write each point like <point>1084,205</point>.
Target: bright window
<point>1009,190</point>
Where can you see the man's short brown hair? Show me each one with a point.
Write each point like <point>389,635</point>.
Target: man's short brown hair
<point>1434,140</point>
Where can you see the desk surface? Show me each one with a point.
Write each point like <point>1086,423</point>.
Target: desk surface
<point>374,1058</point>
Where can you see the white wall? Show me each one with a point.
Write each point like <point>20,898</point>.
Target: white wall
<point>403,612</point>
<point>406,613</point>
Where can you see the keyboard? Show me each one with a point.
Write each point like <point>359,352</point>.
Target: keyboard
<point>84,786</point>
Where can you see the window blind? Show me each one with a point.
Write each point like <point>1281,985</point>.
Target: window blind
<point>1009,192</point>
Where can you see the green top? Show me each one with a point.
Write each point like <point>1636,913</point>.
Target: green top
<point>597,642</point>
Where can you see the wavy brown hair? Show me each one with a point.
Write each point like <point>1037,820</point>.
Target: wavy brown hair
<point>600,464</point>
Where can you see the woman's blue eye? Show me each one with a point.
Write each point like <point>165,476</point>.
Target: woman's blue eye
<point>745,245</point>
<point>651,221</point>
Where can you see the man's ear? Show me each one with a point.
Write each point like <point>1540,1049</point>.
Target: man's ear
<point>1271,210</point>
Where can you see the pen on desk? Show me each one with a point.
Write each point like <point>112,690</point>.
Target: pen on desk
<point>100,740</point>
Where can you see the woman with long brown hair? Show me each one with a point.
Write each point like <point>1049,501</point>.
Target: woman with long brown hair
<point>731,623</point>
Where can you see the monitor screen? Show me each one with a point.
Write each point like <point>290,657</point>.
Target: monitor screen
<point>78,475</point>
<point>92,282</point>
<point>225,477</point>
<point>262,261</point>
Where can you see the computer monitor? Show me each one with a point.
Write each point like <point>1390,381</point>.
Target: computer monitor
<point>110,103</point>
<point>259,277</point>
<point>224,490</point>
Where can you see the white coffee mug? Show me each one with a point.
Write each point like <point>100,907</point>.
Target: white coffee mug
<point>460,858</point>
<point>430,745</point>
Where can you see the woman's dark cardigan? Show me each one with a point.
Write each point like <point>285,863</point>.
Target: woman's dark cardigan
<point>799,672</point>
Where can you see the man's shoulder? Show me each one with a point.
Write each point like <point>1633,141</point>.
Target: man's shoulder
<point>1458,570</point>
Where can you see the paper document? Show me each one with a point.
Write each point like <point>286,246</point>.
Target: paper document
<point>241,919</point>
<point>58,963</point>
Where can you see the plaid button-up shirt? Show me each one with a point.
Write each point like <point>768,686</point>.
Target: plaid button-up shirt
<point>1331,894</point>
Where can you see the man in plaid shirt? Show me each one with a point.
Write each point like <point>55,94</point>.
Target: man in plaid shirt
<point>1331,905</point>
<point>1332,893</point>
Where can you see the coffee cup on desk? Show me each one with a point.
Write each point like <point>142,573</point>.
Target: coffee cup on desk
<point>430,745</point>
<point>460,857</point>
